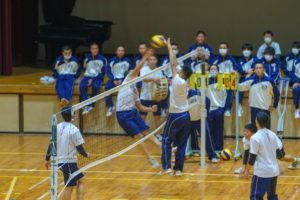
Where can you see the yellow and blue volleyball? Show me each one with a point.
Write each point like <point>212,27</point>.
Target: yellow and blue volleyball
<point>226,154</point>
<point>157,41</point>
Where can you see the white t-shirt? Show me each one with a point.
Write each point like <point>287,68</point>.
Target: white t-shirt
<point>178,95</point>
<point>264,144</point>
<point>146,93</point>
<point>127,96</point>
<point>261,50</point>
<point>246,143</point>
<point>68,137</point>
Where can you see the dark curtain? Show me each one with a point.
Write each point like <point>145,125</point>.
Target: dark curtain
<point>56,9</point>
<point>6,61</point>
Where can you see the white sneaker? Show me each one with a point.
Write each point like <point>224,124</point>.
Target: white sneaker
<point>297,113</point>
<point>153,163</point>
<point>177,173</point>
<point>240,110</point>
<point>168,171</point>
<point>238,171</point>
<point>87,109</point>
<point>110,111</point>
<point>293,166</point>
<point>163,113</point>
<point>196,154</point>
<point>227,113</point>
<point>214,161</point>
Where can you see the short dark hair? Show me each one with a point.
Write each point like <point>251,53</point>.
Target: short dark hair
<point>296,44</point>
<point>268,32</point>
<point>260,63</point>
<point>269,50</point>
<point>200,32</point>
<point>66,48</point>
<point>263,119</point>
<point>175,44</point>
<point>227,45</point>
<point>66,113</point>
<point>187,71</point>
<point>247,46</point>
<point>251,127</point>
<point>142,43</point>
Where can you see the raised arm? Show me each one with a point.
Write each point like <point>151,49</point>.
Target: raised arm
<point>135,72</point>
<point>173,59</point>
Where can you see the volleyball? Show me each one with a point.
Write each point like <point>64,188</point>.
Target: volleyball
<point>226,154</point>
<point>157,41</point>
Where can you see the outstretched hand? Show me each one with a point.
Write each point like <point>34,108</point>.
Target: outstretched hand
<point>154,108</point>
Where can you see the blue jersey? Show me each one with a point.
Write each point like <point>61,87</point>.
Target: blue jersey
<point>62,67</point>
<point>294,75</point>
<point>272,68</point>
<point>117,68</point>
<point>288,62</point>
<point>226,65</point>
<point>207,49</point>
<point>244,65</point>
<point>95,67</point>
<point>168,71</point>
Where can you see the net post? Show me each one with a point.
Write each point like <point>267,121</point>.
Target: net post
<point>203,115</point>
<point>237,153</point>
<point>54,164</point>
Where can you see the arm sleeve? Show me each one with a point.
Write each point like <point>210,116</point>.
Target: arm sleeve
<point>245,85</point>
<point>280,153</point>
<point>283,66</point>
<point>207,104</point>
<point>276,95</point>
<point>252,159</point>
<point>275,74</point>
<point>55,73</point>
<point>48,154</point>
<point>81,150</point>
<point>109,72</point>
<point>240,68</point>
<point>235,67</point>
<point>246,157</point>
<point>103,70</point>
<point>292,74</point>
<point>77,138</point>
<point>254,146</point>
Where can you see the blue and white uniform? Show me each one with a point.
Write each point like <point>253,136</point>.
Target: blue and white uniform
<point>168,70</point>
<point>295,78</point>
<point>226,65</point>
<point>272,68</point>
<point>243,66</point>
<point>196,65</point>
<point>266,146</point>
<point>207,49</point>
<point>177,128</point>
<point>216,114</point>
<point>146,91</point>
<point>116,70</point>
<point>288,63</point>
<point>262,48</point>
<point>65,75</point>
<point>127,115</point>
<point>261,92</point>
<point>95,68</point>
<point>194,110</point>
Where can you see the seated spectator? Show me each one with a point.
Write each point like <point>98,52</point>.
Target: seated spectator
<point>295,79</point>
<point>289,59</point>
<point>268,42</point>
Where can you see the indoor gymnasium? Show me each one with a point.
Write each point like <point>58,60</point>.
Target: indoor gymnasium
<point>149,100</point>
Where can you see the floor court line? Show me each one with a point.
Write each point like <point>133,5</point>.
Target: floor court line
<point>11,188</point>
<point>155,180</point>
<point>138,173</point>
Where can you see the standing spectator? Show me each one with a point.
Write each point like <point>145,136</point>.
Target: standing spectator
<point>200,42</point>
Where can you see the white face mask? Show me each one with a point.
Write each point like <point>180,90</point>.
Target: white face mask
<point>223,52</point>
<point>268,40</point>
<point>268,57</point>
<point>178,69</point>
<point>295,51</point>
<point>213,74</point>
<point>67,57</point>
<point>175,52</point>
<point>247,53</point>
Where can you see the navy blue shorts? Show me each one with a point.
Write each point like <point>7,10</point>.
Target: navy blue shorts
<point>67,169</point>
<point>149,103</point>
<point>131,122</point>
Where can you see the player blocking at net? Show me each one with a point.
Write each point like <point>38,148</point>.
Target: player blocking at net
<point>128,116</point>
<point>177,128</point>
<point>69,141</point>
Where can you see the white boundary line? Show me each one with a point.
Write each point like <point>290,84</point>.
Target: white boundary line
<point>11,188</point>
<point>39,183</point>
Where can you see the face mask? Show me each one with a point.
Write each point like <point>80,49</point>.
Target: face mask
<point>175,52</point>
<point>268,40</point>
<point>178,68</point>
<point>295,51</point>
<point>67,57</point>
<point>247,53</point>
<point>213,74</point>
<point>268,57</point>
<point>223,51</point>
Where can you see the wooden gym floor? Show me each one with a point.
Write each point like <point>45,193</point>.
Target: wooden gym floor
<point>130,177</point>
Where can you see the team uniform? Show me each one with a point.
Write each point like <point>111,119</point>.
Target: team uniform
<point>216,114</point>
<point>262,48</point>
<point>95,68</point>
<point>267,147</point>
<point>288,63</point>
<point>116,71</point>
<point>146,91</point>
<point>177,128</point>
<point>272,68</point>
<point>226,65</point>
<point>127,115</point>
<point>68,138</point>
<point>261,91</point>
<point>196,65</point>
<point>65,76</point>
<point>207,49</point>
<point>295,78</point>
<point>243,66</point>
<point>194,110</point>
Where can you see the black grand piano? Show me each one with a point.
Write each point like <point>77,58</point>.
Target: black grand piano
<point>73,31</point>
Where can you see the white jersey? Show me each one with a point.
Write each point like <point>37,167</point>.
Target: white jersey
<point>127,97</point>
<point>68,68</point>
<point>178,95</point>
<point>217,97</point>
<point>264,144</point>
<point>195,107</point>
<point>119,69</point>
<point>68,137</point>
<point>246,143</point>
<point>146,93</point>
<point>261,50</point>
<point>93,68</point>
